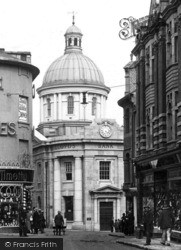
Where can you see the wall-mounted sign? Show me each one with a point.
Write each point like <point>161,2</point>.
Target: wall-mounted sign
<point>7,128</point>
<point>16,175</point>
<point>23,109</point>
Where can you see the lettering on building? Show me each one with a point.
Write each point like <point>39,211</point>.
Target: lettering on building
<point>67,146</point>
<point>7,129</point>
<point>16,175</point>
<point>105,146</point>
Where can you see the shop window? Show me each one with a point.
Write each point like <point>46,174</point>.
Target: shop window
<point>104,170</point>
<point>68,208</point>
<point>10,199</point>
<point>68,170</point>
<point>70,105</point>
<point>94,102</point>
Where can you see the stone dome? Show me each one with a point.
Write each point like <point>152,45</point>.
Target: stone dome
<point>73,67</point>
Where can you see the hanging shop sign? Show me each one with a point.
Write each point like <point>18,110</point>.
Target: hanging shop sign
<point>130,26</point>
<point>16,175</point>
<point>7,129</point>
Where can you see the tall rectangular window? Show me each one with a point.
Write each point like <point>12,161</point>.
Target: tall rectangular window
<point>176,48</point>
<point>68,170</point>
<point>48,106</point>
<point>94,102</point>
<point>70,105</point>
<point>104,170</point>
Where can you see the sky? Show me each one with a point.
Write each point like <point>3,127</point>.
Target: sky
<point>38,26</point>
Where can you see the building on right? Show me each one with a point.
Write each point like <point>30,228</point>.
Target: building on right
<point>157,157</point>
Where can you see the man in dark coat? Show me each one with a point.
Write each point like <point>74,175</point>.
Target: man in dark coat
<point>59,222</point>
<point>22,222</point>
<point>166,222</point>
<point>36,219</point>
<point>148,224</point>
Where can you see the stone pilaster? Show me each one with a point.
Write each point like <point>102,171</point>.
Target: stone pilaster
<point>78,223</point>
<point>50,191</point>
<point>57,186</point>
<point>142,103</point>
<point>156,119</point>
<point>162,87</point>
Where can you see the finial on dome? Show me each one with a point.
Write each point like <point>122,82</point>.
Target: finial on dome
<point>73,19</point>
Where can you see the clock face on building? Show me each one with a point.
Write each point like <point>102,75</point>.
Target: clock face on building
<point>105,131</point>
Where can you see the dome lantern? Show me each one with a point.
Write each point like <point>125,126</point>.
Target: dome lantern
<point>73,38</point>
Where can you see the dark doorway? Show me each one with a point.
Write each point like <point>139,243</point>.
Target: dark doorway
<point>106,214</point>
<point>69,207</point>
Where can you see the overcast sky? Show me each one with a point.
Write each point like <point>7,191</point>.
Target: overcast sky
<point>39,26</point>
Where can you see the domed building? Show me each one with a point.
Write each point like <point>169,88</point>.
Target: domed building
<point>78,150</point>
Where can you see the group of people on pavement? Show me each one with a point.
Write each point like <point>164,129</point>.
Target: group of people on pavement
<point>165,223</point>
<point>124,225</point>
<point>31,221</point>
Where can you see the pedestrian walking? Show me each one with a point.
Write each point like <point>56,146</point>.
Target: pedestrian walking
<point>123,223</point>
<point>22,222</point>
<point>59,223</point>
<point>36,221</point>
<point>148,224</point>
<point>28,223</point>
<point>41,221</point>
<point>166,222</point>
<point>116,226</point>
<point>112,225</point>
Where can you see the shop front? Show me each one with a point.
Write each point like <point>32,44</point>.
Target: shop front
<point>158,184</point>
<point>14,193</point>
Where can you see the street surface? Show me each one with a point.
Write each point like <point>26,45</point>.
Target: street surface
<point>83,240</point>
<point>80,240</point>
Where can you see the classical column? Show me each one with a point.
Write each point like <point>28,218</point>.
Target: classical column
<point>102,107</point>
<point>55,107</point>
<point>41,108</point>
<point>78,193</point>
<point>57,186</point>
<point>120,171</point>
<point>51,195</point>
<point>59,106</point>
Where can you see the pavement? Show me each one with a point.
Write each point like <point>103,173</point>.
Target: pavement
<point>139,243</point>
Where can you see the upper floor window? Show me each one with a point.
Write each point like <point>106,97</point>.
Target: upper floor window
<point>1,83</point>
<point>70,105</point>
<point>94,102</point>
<point>68,170</point>
<point>104,170</point>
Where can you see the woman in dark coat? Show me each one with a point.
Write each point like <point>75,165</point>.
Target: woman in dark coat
<point>148,224</point>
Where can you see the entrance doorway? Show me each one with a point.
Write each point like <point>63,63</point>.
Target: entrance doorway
<point>106,215</point>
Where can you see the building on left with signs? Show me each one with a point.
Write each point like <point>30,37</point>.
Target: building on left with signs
<point>16,162</point>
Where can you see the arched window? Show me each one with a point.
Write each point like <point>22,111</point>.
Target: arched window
<point>70,41</point>
<point>75,41</point>
<point>94,102</point>
<point>70,106</point>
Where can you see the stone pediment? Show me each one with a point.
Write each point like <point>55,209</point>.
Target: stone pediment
<point>106,189</point>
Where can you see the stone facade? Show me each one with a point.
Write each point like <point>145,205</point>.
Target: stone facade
<point>81,154</point>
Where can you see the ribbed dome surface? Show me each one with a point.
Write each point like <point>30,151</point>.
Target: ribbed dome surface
<point>71,68</point>
<point>73,29</point>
